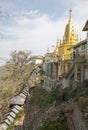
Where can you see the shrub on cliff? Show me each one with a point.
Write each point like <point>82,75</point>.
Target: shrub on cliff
<point>50,125</point>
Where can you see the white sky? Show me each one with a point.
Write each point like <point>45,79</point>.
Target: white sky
<point>35,25</point>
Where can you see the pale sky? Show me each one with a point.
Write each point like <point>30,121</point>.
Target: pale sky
<point>35,24</point>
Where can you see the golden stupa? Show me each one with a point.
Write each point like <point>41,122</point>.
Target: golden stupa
<point>64,48</point>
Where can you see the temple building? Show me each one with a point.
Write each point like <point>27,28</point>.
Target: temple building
<point>69,39</point>
<point>64,49</point>
<point>68,64</point>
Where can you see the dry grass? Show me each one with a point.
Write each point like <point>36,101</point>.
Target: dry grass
<point>8,88</point>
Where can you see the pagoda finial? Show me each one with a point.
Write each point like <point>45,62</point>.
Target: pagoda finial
<point>57,40</point>
<point>70,11</point>
<point>48,50</point>
<point>70,14</point>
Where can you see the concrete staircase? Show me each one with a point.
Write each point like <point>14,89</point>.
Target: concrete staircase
<point>16,104</point>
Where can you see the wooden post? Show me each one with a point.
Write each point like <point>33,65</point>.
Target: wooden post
<point>82,73</point>
<point>75,73</point>
<point>87,46</point>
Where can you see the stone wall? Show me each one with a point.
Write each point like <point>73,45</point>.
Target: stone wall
<point>51,73</point>
<point>49,83</point>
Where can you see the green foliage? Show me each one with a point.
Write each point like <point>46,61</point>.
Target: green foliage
<point>75,94</point>
<point>18,116</point>
<point>5,94</point>
<point>50,125</point>
<point>10,127</point>
<point>58,95</point>
<point>44,101</point>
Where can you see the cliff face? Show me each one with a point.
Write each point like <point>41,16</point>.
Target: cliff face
<point>33,115</point>
<point>39,109</point>
<point>44,110</point>
<point>56,110</point>
<point>51,73</point>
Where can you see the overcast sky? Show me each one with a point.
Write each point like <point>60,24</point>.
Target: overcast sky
<point>35,24</point>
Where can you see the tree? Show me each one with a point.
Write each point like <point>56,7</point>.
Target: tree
<point>19,67</point>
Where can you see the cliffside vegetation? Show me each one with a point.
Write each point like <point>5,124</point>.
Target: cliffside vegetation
<point>13,76</point>
<point>44,110</point>
<point>18,66</point>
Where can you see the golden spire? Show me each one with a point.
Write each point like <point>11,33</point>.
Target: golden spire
<point>69,39</point>
<point>56,50</point>
<point>70,35</point>
<point>57,40</point>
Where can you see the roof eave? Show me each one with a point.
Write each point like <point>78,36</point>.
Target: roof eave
<point>86,26</point>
